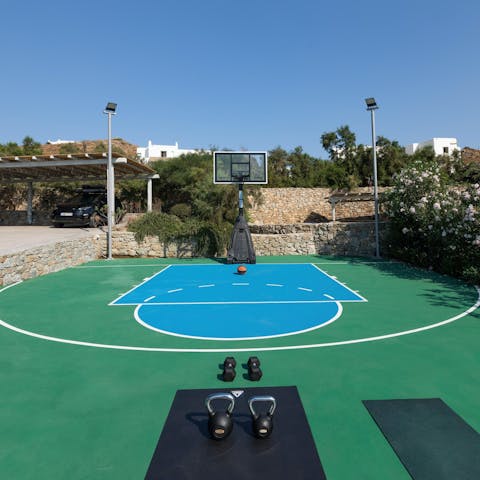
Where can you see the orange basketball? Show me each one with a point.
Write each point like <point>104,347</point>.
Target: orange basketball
<point>242,270</point>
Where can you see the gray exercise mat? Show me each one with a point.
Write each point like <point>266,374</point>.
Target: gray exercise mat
<point>430,439</point>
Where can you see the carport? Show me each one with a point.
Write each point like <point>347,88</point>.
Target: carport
<point>72,168</point>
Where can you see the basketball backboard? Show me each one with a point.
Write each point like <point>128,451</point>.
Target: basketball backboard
<point>240,167</point>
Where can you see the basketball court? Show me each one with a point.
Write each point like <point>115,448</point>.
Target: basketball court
<point>90,377</point>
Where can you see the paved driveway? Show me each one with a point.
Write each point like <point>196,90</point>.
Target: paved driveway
<point>17,239</point>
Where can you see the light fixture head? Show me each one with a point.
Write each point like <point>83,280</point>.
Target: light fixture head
<point>371,103</point>
<point>111,107</point>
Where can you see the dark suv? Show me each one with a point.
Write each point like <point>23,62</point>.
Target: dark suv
<point>87,209</point>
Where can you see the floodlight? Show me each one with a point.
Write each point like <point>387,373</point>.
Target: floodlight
<point>111,107</point>
<point>371,103</point>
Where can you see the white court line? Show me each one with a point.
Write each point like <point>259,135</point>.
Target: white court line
<point>328,296</point>
<point>149,298</point>
<point>139,285</point>
<point>238,302</point>
<point>274,285</point>
<point>175,290</point>
<point>340,283</point>
<point>10,286</point>
<point>305,289</point>
<point>240,284</point>
<point>121,266</point>
<point>166,332</point>
<point>207,286</point>
<point>251,349</point>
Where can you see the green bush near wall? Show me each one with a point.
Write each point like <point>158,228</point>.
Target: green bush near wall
<point>209,238</point>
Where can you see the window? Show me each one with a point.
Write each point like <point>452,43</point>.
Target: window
<point>163,154</point>
<point>445,150</point>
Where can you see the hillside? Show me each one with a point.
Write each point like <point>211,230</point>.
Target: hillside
<point>471,155</point>
<point>92,146</point>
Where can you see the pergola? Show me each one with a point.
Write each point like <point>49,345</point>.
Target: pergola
<point>83,167</point>
<point>348,197</point>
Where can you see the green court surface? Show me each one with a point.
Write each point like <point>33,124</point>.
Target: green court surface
<point>86,389</point>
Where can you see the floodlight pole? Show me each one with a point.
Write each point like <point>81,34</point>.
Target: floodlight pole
<point>372,107</point>
<point>110,182</point>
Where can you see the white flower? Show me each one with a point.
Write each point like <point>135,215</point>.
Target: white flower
<point>412,209</point>
<point>405,230</point>
<point>436,206</point>
<point>470,214</point>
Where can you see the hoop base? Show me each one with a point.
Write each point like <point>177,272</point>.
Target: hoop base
<point>241,245</point>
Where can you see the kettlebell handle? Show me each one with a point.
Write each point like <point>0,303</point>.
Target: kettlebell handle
<point>262,398</point>
<point>220,396</point>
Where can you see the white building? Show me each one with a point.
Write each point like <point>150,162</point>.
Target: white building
<point>158,152</point>
<point>59,142</point>
<point>441,146</point>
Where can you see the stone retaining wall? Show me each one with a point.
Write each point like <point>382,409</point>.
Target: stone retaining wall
<point>23,265</point>
<point>125,245</point>
<point>297,205</point>
<point>297,239</point>
<point>290,205</point>
<point>355,239</point>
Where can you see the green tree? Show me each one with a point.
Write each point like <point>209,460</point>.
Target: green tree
<point>303,168</point>
<point>31,147</point>
<point>341,147</point>
<point>279,168</point>
<point>11,148</point>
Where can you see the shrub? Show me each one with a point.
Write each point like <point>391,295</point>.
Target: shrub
<point>181,210</point>
<point>434,224</point>
<point>210,239</point>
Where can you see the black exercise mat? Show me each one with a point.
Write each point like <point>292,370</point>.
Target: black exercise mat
<point>186,451</point>
<point>430,439</point>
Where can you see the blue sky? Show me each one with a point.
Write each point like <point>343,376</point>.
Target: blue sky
<point>251,74</point>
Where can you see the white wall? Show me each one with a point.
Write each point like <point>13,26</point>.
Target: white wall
<point>157,152</point>
<point>441,146</point>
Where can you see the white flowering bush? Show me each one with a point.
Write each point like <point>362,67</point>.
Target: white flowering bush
<point>433,223</point>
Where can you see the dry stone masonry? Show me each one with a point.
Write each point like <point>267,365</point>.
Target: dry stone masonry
<point>307,205</point>
<point>34,262</point>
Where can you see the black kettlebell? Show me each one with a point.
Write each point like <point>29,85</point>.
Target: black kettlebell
<point>262,423</point>
<point>220,423</point>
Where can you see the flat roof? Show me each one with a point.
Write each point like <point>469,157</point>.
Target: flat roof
<point>69,168</point>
